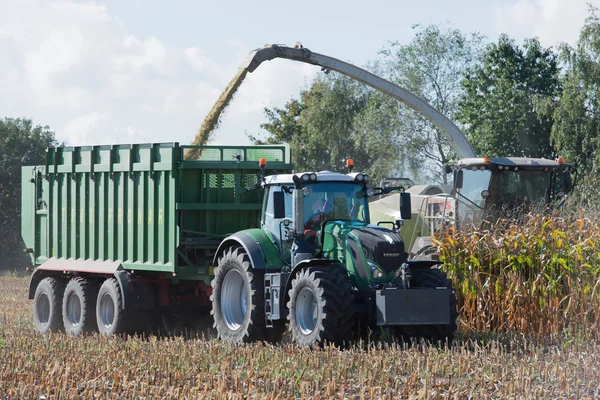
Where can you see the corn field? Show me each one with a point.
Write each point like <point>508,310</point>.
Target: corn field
<point>540,278</point>
<point>479,366</point>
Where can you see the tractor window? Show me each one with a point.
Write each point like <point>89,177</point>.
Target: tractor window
<point>523,187</point>
<point>474,183</point>
<point>471,200</point>
<point>332,201</point>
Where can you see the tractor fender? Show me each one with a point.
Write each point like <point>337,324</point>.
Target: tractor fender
<point>250,245</point>
<point>301,266</point>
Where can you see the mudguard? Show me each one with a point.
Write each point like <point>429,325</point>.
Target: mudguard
<point>256,244</point>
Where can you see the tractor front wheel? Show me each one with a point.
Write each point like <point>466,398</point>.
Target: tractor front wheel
<point>238,299</point>
<point>320,306</point>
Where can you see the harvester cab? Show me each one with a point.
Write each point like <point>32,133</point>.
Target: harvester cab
<point>490,188</point>
<point>484,191</point>
<point>317,262</point>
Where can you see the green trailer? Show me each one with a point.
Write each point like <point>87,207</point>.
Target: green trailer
<point>119,234</point>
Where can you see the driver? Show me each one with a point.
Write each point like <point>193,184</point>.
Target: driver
<point>314,221</point>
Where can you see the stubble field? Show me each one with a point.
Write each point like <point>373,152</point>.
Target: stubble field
<point>57,366</point>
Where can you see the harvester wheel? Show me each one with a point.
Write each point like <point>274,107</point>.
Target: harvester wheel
<point>110,315</point>
<point>47,306</point>
<point>434,278</point>
<point>79,307</point>
<point>320,306</point>
<point>238,299</point>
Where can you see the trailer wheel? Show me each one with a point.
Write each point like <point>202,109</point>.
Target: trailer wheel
<point>433,278</point>
<point>238,299</point>
<point>110,315</point>
<point>79,306</point>
<point>320,306</point>
<point>47,306</point>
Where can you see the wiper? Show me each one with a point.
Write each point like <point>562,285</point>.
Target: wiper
<point>469,200</point>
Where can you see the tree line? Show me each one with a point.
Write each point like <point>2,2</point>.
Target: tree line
<point>510,99</point>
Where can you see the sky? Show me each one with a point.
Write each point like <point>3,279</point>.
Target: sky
<point>137,71</point>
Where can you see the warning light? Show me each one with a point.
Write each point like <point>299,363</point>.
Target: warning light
<point>486,159</point>
<point>560,160</point>
<point>349,164</point>
<point>262,162</point>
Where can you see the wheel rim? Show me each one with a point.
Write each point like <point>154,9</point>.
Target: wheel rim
<point>43,308</point>
<point>234,303</point>
<point>73,309</point>
<point>306,311</point>
<point>107,310</point>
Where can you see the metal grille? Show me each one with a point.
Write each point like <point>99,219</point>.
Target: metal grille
<point>247,153</point>
<point>228,181</point>
<point>249,180</point>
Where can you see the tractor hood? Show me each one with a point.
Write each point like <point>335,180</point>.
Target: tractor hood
<point>371,253</point>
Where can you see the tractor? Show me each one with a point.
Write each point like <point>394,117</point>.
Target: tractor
<point>316,264</point>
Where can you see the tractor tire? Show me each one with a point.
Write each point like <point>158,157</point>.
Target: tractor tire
<point>110,315</point>
<point>238,304</point>
<point>433,278</point>
<point>79,307</point>
<point>320,306</point>
<point>47,306</point>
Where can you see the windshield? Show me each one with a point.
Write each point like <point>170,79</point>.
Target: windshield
<point>333,200</point>
<point>471,200</point>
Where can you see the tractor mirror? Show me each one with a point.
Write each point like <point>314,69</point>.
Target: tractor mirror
<point>568,181</point>
<point>405,206</point>
<point>458,179</point>
<point>447,169</point>
<point>278,205</point>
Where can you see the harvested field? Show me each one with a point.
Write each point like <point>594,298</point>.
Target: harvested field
<point>57,366</point>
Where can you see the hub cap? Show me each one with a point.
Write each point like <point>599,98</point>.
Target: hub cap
<point>107,311</point>
<point>306,311</point>
<point>43,308</point>
<point>234,302</point>
<point>74,309</point>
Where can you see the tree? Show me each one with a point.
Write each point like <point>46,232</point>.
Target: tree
<point>576,131</point>
<point>330,123</point>
<point>509,99</point>
<point>428,67</point>
<point>20,144</point>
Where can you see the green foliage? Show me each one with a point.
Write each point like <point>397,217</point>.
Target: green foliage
<point>331,122</point>
<point>20,144</point>
<point>428,67</point>
<point>576,131</point>
<point>509,99</point>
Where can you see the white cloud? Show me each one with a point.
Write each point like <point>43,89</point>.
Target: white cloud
<point>75,67</point>
<point>552,21</point>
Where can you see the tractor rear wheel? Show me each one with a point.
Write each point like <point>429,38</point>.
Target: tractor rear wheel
<point>47,306</point>
<point>238,305</point>
<point>79,307</point>
<point>432,278</point>
<point>320,306</point>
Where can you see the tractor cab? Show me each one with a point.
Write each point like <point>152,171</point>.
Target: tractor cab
<point>490,188</point>
<point>300,205</point>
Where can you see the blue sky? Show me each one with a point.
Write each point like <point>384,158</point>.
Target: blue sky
<point>138,71</point>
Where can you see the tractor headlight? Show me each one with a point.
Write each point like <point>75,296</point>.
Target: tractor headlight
<point>375,270</point>
<point>309,177</point>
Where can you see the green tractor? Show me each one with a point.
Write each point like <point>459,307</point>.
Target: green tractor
<point>317,265</point>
